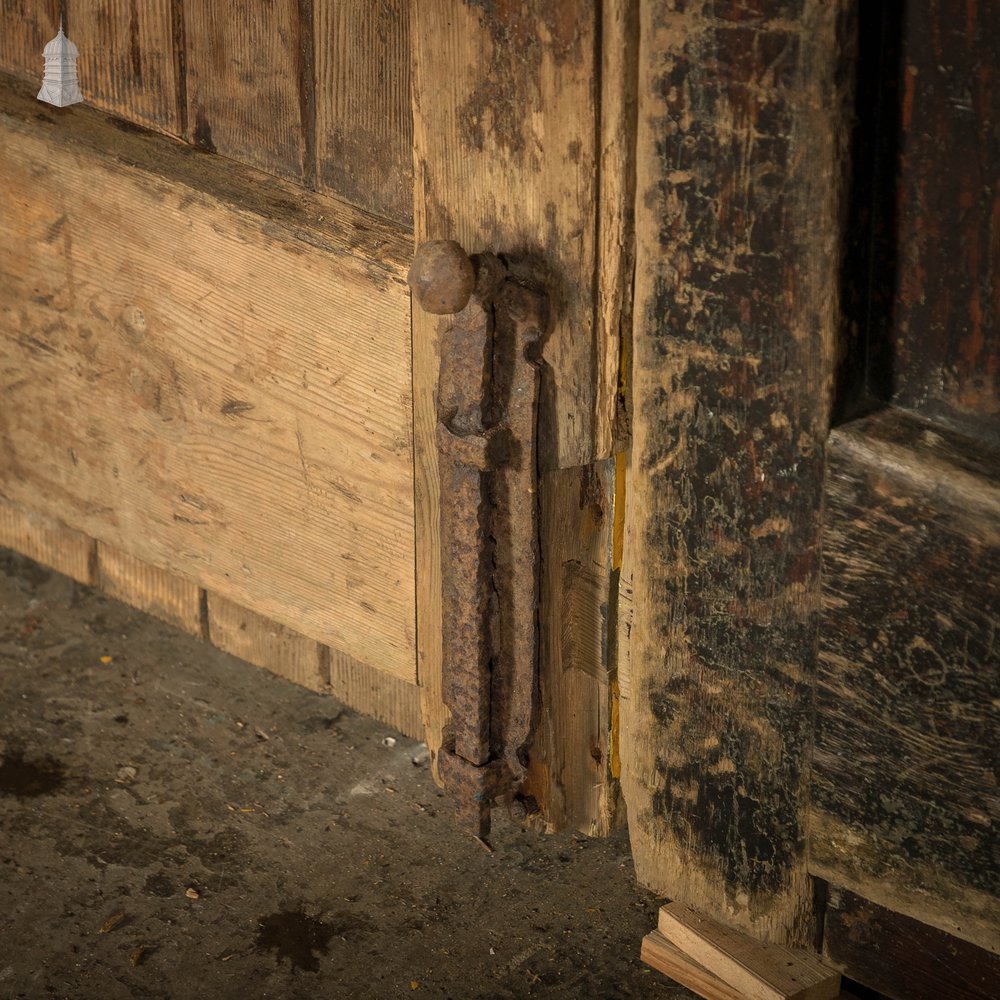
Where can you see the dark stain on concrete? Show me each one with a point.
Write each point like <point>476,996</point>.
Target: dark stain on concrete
<point>25,779</point>
<point>296,937</point>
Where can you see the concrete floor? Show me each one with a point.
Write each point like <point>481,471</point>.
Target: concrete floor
<point>176,823</point>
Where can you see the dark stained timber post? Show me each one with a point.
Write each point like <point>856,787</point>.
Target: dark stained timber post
<point>486,437</point>
<point>742,125</point>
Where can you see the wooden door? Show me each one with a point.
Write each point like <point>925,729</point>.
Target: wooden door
<point>809,668</point>
<point>217,405</point>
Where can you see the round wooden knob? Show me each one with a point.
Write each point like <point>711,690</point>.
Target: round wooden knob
<point>441,277</point>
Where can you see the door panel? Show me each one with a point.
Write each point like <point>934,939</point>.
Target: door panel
<point>222,393</point>
<point>904,792</point>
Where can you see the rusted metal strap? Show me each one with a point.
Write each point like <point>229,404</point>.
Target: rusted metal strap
<point>486,434</point>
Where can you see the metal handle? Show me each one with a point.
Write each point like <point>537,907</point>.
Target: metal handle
<point>487,460</point>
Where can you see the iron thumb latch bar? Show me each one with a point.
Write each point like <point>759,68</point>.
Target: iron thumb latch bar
<point>487,421</point>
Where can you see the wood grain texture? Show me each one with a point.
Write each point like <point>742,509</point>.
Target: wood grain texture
<point>265,643</point>
<point>48,542</point>
<point>247,83</point>
<point>126,63</point>
<point>570,757</point>
<point>164,595</point>
<point>906,806</point>
<point>504,119</point>
<point>25,27</point>
<point>364,115</point>
<point>619,52</point>
<point>947,305</point>
<point>667,958</point>
<point>213,374</point>
<point>374,693</point>
<point>758,971</point>
<point>901,957</point>
<point>740,110</point>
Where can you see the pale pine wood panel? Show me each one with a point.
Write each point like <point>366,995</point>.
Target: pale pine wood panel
<point>374,693</point>
<point>570,757</point>
<point>164,595</point>
<point>25,27</point>
<point>249,80</point>
<point>364,119</point>
<point>47,541</point>
<point>265,643</point>
<point>505,120</point>
<point>127,62</point>
<point>224,396</point>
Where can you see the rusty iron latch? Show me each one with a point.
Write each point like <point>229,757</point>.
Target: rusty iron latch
<point>487,415</point>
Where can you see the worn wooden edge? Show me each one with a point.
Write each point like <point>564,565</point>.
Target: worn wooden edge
<point>903,957</point>
<point>759,970</point>
<point>935,458</point>
<point>570,759</point>
<point>48,542</point>
<point>660,954</point>
<point>291,655</point>
<point>374,693</point>
<point>377,248</point>
<point>266,643</point>
<point>619,58</point>
<point>957,480</point>
<point>160,593</point>
<point>718,651</point>
<point>954,909</point>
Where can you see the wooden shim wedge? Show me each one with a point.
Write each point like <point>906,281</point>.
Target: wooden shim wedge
<point>755,970</point>
<point>48,542</point>
<point>211,371</point>
<point>164,595</point>
<point>737,231</point>
<point>665,957</point>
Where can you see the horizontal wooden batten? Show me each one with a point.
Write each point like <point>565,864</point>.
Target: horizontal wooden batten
<point>209,370</point>
<point>905,803</point>
<point>901,957</point>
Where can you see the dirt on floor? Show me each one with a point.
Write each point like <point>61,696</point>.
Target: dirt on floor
<point>177,823</point>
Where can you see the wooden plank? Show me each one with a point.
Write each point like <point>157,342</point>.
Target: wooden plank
<point>570,757</point>
<point>27,26</point>
<point>249,83</point>
<point>736,281</point>
<point>126,63</point>
<point>946,272</point>
<point>505,122</point>
<point>212,374</point>
<point>619,53</point>
<point>364,115</point>
<point>164,595</point>
<point>758,971</point>
<point>505,119</point>
<point>47,541</point>
<point>901,957</point>
<point>265,643</point>
<point>904,790</point>
<point>375,693</point>
<point>667,958</point>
